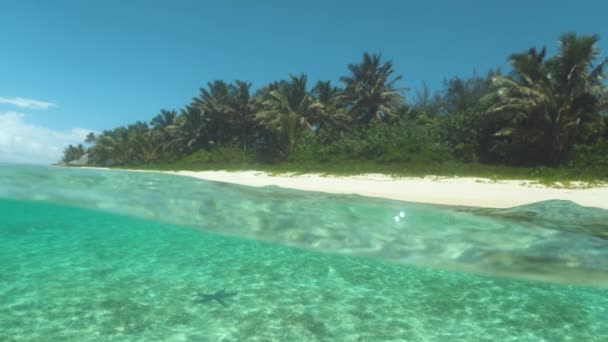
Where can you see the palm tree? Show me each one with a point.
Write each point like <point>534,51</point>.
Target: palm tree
<point>286,107</point>
<point>242,108</point>
<point>164,120</point>
<point>112,147</point>
<point>543,103</point>
<point>214,102</point>
<point>165,127</point>
<point>72,152</point>
<point>328,111</point>
<point>369,91</point>
<point>146,144</point>
<point>192,126</point>
<point>90,139</point>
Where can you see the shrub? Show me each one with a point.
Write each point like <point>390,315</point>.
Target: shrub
<point>379,142</point>
<point>593,156</point>
<point>220,155</point>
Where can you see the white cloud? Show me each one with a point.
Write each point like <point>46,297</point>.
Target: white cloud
<point>21,142</point>
<point>27,103</point>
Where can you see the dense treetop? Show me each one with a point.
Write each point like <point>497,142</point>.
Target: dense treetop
<point>548,110</point>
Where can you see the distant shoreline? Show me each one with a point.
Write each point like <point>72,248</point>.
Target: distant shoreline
<point>463,191</point>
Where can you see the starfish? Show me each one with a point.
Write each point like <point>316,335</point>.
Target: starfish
<point>219,297</point>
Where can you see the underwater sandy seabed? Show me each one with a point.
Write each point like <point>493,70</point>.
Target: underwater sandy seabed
<point>75,274</point>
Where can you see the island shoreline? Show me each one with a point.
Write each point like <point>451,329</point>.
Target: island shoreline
<point>455,191</point>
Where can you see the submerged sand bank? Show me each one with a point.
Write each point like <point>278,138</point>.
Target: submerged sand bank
<point>478,192</point>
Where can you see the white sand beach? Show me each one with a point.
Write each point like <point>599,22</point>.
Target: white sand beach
<point>477,192</point>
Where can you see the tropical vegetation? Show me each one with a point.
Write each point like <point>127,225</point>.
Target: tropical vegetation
<point>546,111</point>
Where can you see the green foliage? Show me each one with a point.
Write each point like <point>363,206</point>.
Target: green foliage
<point>540,109</point>
<point>594,156</point>
<point>547,111</point>
<point>462,95</point>
<point>461,133</point>
<point>219,155</point>
<point>382,143</point>
<point>137,143</point>
<point>370,91</point>
<point>329,114</point>
<point>73,153</point>
<point>285,112</point>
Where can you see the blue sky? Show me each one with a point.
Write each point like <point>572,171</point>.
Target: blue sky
<point>99,64</point>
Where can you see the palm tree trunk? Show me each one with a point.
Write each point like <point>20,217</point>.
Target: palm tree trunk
<point>558,147</point>
<point>244,137</point>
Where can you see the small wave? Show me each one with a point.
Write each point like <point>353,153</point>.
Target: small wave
<point>556,241</point>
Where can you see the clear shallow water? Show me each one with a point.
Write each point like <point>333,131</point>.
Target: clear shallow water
<point>73,274</point>
<point>555,241</point>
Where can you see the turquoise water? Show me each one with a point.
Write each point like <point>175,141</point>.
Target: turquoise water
<point>114,256</point>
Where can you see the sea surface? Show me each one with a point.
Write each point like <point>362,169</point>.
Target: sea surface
<point>95,255</point>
